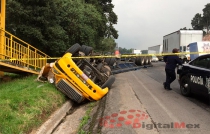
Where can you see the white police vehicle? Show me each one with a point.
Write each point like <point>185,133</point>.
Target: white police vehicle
<point>194,77</point>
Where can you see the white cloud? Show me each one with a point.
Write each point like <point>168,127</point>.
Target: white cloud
<point>143,23</point>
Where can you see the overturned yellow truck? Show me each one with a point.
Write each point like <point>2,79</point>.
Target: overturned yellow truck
<point>82,78</point>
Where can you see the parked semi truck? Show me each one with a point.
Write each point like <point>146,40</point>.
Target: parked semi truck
<point>199,48</point>
<point>180,40</point>
<point>158,49</point>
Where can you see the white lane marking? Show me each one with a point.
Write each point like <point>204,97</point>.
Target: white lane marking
<point>170,114</point>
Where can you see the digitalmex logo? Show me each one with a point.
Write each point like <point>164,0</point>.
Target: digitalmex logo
<point>126,118</point>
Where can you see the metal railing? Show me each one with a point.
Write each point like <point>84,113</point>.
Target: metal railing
<point>22,53</point>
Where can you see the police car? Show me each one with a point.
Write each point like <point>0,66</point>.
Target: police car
<point>194,77</point>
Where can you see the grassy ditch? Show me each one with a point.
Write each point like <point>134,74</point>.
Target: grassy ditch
<point>25,104</point>
<point>86,118</point>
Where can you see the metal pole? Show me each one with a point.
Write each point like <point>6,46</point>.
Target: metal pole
<point>2,26</point>
<point>2,33</point>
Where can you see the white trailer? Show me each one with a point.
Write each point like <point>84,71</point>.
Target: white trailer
<point>148,52</point>
<point>180,40</point>
<point>158,49</point>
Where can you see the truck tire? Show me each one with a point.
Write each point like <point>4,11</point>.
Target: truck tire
<point>107,60</point>
<point>82,49</point>
<point>88,51</point>
<point>74,49</point>
<point>185,86</point>
<point>146,60</point>
<point>112,61</point>
<point>149,60</point>
<point>137,61</point>
<point>142,61</point>
<point>109,82</point>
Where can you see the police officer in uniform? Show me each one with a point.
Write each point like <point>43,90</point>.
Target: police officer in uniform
<point>171,63</point>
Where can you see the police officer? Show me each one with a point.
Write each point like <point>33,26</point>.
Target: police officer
<point>171,62</point>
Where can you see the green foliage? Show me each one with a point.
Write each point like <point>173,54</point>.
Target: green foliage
<point>125,51</point>
<point>206,17</point>
<point>197,22</point>
<point>53,26</point>
<point>109,18</point>
<point>86,118</point>
<point>202,22</point>
<point>107,45</point>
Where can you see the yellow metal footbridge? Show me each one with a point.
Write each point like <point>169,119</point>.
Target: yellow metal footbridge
<point>27,58</point>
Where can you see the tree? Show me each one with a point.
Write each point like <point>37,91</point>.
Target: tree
<point>38,23</point>
<point>200,22</point>
<point>197,22</point>
<point>109,18</point>
<point>108,45</point>
<point>83,22</point>
<point>125,51</point>
<point>206,18</point>
<point>53,26</point>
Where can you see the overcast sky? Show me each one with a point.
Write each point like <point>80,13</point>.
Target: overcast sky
<point>143,23</point>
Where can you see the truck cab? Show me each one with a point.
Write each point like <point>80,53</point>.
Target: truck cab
<point>185,57</point>
<point>81,78</point>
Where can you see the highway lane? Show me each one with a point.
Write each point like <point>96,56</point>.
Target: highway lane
<point>137,103</point>
<point>157,73</point>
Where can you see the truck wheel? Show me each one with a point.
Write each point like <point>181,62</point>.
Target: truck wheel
<point>142,61</point>
<point>109,82</point>
<point>112,61</point>
<point>185,86</point>
<point>82,49</point>
<point>74,49</point>
<point>149,59</point>
<point>107,60</point>
<point>137,61</point>
<point>145,60</point>
<point>88,51</point>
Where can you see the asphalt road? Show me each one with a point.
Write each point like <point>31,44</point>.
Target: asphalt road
<point>137,103</point>
<point>157,73</point>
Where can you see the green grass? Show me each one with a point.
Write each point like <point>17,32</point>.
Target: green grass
<point>25,104</point>
<point>85,119</point>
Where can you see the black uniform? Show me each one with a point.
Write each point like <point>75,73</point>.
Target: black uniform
<point>171,62</point>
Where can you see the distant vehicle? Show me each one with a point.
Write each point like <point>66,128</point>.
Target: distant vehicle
<point>194,77</point>
<point>155,59</point>
<point>159,51</point>
<point>148,51</point>
<point>180,40</point>
<point>136,51</point>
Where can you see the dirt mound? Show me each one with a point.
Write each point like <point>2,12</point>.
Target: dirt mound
<point>206,37</point>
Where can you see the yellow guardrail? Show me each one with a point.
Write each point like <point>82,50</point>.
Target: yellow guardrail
<point>103,56</point>
<point>14,48</point>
